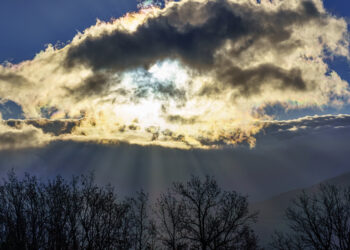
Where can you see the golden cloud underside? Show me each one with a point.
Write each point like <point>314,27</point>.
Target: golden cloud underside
<point>19,134</point>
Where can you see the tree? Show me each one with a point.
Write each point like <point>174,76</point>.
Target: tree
<point>102,218</point>
<point>207,217</point>
<point>22,213</point>
<point>169,212</point>
<point>60,215</point>
<point>318,221</point>
<point>58,201</point>
<point>143,228</point>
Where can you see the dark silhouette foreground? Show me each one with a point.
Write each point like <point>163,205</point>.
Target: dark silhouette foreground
<point>320,221</point>
<point>195,215</point>
<point>81,215</point>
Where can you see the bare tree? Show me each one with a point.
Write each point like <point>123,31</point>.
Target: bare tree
<point>73,207</point>
<point>22,213</point>
<point>101,217</point>
<point>152,243</point>
<point>142,224</point>
<point>60,215</point>
<point>57,199</point>
<point>212,218</point>
<point>169,212</point>
<point>318,221</point>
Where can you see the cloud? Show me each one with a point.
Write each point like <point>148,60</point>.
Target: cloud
<point>306,125</point>
<point>53,127</point>
<point>13,78</point>
<point>198,33</point>
<point>192,31</point>
<point>94,85</point>
<point>22,136</point>
<point>198,72</point>
<point>17,133</point>
<point>180,119</point>
<point>250,81</point>
<point>301,159</point>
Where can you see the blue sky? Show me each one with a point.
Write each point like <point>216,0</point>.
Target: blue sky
<point>26,26</point>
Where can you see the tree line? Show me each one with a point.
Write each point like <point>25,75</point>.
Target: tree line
<point>79,214</point>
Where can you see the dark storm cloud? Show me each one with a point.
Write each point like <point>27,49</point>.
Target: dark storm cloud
<point>54,127</point>
<point>193,32</point>
<point>166,36</point>
<point>251,80</point>
<point>173,35</point>
<point>94,85</point>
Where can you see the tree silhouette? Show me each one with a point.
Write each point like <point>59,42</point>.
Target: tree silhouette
<point>318,221</point>
<point>170,212</point>
<point>61,215</point>
<point>200,215</point>
<point>142,225</point>
<point>22,214</point>
<point>79,214</point>
<point>101,218</point>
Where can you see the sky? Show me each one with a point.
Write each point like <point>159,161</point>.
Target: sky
<point>27,27</point>
<point>241,81</point>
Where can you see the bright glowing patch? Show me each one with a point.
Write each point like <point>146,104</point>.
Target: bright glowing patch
<point>167,71</point>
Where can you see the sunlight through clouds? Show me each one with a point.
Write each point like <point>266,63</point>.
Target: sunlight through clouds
<point>194,74</point>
